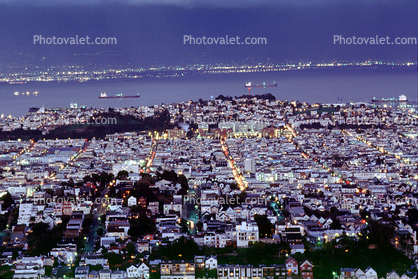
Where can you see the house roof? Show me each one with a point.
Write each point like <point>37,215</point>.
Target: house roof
<point>290,259</point>
<point>306,262</point>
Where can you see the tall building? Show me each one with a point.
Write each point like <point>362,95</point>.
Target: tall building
<point>246,233</point>
<point>25,212</point>
<point>176,133</point>
<point>249,165</point>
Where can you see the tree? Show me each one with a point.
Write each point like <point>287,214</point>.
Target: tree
<point>412,216</point>
<point>190,134</point>
<point>184,226</point>
<point>113,258</point>
<point>233,186</point>
<point>142,189</point>
<point>167,175</point>
<point>241,197</point>
<point>130,248</point>
<point>141,226</point>
<point>100,231</point>
<point>182,248</point>
<point>87,178</point>
<point>123,174</point>
<point>182,180</point>
<point>49,192</point>
<point>199,226</point>
<point>265,227</point>
<point>336,224</point>
<point>7,201</point>
<point>380,234</point>
<point>42,239</point>
<point>88,220</point>
<point>184,185</point>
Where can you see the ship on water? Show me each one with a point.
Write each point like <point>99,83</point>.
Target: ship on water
<point>118,96</point>
<point>263,85</point>
<point>33,109</point>
<point>249,85</point>
<point>27,93</point>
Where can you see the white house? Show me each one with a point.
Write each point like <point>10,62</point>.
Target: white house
<point>172,206</point>
<point>132,201</point>
<point>370,273</point>
<point>118,274</point>
<point>68,254</point>
<point>392,275</point>
<point>105,274</point>
<point>25,212</point>
<point>292,266</point>
<point>359,274</point>
<point>154,207</point>
<point>143,246</point>
<point>132,271</point>
<point>29,267</point>
<point>94,260</point>
<point>141,271</point>
<point>105,241</point>
<point>246,233</point>
<point>211,262</point>
<point>30,261</point>
<point>27,273</point>
<point>81,272</point>
<point>297,248</point>
<point>220,240</point>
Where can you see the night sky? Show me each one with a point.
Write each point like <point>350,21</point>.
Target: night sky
<point>150,32</point>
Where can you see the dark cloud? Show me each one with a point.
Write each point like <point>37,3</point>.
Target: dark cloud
<point>153,30</point>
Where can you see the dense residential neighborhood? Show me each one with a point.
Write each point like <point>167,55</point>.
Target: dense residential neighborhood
<point>236,188</point>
